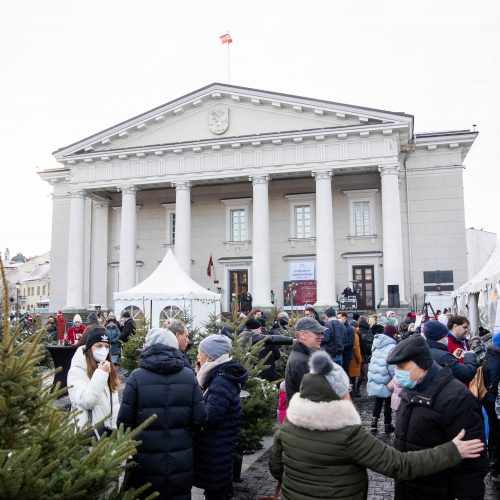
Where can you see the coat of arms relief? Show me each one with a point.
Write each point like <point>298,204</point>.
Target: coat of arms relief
<point>218,120</point>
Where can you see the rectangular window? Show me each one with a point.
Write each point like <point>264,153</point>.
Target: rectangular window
<point>438,276</point>
<point>38,290</point>
<point>238,224</point>
<point>172,228</point>
<point>302,215</point>
<point>362,223</point>
<point>43,290</point>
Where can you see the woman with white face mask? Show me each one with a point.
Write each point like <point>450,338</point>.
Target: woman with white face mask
<point>93,383</point>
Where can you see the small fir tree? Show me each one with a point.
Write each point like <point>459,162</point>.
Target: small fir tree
<point>42,456</point>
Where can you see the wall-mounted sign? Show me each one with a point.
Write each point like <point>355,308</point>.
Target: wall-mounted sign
<point>302,270</point>
<point>297,294</point>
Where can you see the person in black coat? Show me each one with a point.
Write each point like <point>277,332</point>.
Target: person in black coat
<point>491,376</point>
<point>220,378</point>
<point>164,386</point>
<point>128,327</point>
<point>436,335</point>
<point>435,406</point>
<point>254,333</point>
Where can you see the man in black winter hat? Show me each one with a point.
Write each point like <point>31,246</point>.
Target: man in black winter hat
<point>435,406</point>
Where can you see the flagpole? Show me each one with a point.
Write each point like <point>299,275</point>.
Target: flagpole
<point>228,74</point>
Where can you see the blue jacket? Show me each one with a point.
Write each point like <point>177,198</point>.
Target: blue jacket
<point>113,333</point>
<point>464,372</point>
<point>491,372</point>
<point>333,338</point>
<point>379,372</point>
<point>164,386</point>
<point>215,444</point>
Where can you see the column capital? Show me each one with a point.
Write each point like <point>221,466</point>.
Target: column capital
<point>322,174</point>
<point>77,193</point>
<point>128,189</point>
<point>260,179</point>
<point>182,185</point>
<point>389,169</point>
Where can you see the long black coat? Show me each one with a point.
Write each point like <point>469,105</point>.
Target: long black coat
<point>434,413</point>
<point>165,386</point>
<point>491,372</point>
<point>464,372</point>
<point>215,444</point>
<point>296,367</point>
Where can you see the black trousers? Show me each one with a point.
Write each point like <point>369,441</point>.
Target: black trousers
<point>494,437</point>
<point>377,409</point>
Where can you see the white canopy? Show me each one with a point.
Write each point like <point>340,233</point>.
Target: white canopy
<point>478,297</point>
<point>167,290</point>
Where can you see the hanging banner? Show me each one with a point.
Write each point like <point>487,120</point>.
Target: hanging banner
<point>298,293</point>
<point>302,270</point>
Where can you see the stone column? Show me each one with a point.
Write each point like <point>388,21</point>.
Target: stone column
<point>325,254</point>
<point>392,233</point>
<point>472,304</point>
<point>261,259</point>
<point>183,225</point>
<point>76,251</point>
<point>128,239</point>
<point>99,253</point>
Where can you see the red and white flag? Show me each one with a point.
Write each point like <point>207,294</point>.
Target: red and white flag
<point>210,265</point>
<point>226,38</point>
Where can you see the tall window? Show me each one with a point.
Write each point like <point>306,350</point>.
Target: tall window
<point>302,215</point>
<point>238,222</point>
<point>172,228</point>
<point>362,223</point>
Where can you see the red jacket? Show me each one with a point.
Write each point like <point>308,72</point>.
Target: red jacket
<point>282,406</point>
<point>61,326</point>
<point>74,334</point>
<point>454,343</point>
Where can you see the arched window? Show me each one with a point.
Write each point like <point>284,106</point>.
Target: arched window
<point>168,313</point>
<point>135,313</point>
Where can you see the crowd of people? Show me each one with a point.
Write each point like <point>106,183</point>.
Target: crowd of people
<point>430,385</point>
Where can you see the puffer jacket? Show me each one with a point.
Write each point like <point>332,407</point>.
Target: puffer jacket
<point>91,393</point>
<point>164,386</point>
<point>115,347</point>
<point>322,452</point>
<point>215,444</point>
<point>379,372</point>
<point>491,372</point>
<point>430,414</point>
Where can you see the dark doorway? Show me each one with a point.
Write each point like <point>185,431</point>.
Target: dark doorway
<point>238,289</point>
<point>364,286</point>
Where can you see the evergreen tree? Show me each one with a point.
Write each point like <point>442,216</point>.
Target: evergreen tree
<point>42,456</point>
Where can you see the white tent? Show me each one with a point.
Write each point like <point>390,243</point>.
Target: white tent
<point>167,291</point>
<point>480,294</point>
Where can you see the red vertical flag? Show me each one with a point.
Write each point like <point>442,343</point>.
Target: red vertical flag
<point>210,265</point>
<point>226,38</point>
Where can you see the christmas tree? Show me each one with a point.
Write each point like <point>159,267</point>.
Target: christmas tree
<point>42,455</point>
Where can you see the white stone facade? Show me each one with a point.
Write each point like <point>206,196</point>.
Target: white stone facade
<point>351,191</point>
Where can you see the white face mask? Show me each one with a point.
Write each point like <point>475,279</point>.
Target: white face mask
<point>100,354</point>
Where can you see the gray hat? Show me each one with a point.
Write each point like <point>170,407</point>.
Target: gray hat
<point>415,349</point>
<point>161,336</point>
<point>215,346</point>
<point>309,324</point>
<point>382,320</point>
<point>92,317</point>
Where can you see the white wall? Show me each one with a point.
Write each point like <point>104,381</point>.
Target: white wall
<point>480,246</point>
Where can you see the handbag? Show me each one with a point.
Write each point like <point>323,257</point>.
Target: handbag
<point>477,386</point>
<point>102,430</point>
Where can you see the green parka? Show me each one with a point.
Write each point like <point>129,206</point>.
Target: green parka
<point>322,452</point>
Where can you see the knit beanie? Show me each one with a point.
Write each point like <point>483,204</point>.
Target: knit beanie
<point>77,319</point>
<point>253,324</point>
<point>390,330</point>
<point>377,329</point>
<point>495,340</point>
<point>382,320</point>
<point>161,336</point>
<point>215,346</point>
<point>435,330</point>
<point>92,317</point>
<point>326,380</point>
<point>96,335</point>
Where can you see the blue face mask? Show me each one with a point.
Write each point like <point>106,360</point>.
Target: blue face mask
<point>445,341</point>
<point>404,379</point>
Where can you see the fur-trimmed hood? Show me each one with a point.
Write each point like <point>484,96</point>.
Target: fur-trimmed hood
<point>322,416</point>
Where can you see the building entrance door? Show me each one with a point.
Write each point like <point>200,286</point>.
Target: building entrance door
<point>238,289</point>
<point>364,286</point>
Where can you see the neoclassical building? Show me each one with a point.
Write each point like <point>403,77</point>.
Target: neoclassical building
<point>280,190</point>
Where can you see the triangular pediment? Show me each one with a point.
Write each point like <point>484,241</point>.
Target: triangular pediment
<point>221,111</point>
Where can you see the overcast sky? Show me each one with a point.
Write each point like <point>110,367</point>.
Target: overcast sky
<point>70,68</point>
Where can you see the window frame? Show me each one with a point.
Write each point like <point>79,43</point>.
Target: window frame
<point>236,204</point>
<point>169,211</point>
<point>361,195</point>
<point>297,200</point>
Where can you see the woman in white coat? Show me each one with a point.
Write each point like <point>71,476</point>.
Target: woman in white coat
<point>93,383</point>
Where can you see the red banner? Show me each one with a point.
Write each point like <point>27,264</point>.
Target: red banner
<point>299,293</point>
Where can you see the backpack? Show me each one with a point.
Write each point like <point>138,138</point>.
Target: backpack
<point>367,341</point>
<point>477,386</point>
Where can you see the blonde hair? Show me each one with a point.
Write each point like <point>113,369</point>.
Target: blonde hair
<point>372,320</point>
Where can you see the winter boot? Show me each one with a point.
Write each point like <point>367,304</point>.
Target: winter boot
<point>389,428</point>
<point>355,389</point>
<point>374,424</point>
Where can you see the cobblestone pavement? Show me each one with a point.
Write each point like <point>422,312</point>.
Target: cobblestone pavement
<point>257,481</point>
